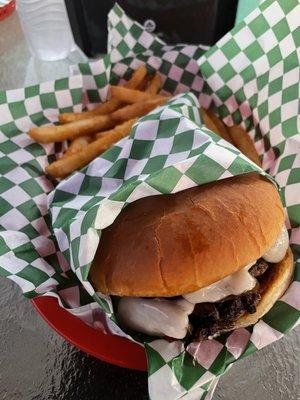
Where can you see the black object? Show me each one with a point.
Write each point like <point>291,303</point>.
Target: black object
<point>175,21</point>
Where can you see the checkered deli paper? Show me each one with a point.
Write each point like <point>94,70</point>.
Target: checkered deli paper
<point>250,77</point>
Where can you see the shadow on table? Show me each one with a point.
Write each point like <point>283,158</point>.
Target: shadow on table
<point>37,364</point>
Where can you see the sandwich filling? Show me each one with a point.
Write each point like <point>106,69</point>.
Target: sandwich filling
<point>207,311</point>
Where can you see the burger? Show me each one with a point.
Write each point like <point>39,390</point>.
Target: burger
<point>197,263</point>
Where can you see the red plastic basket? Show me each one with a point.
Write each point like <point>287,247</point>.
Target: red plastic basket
<point>6,10</point>
<point>112,349</point>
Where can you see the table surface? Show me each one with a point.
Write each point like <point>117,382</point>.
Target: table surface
<point>37,364</point>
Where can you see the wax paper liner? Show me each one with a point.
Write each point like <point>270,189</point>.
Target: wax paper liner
<point>251,77</point>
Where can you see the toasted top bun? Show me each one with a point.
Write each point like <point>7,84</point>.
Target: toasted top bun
<point>170,245</point>
<point>272,288</point>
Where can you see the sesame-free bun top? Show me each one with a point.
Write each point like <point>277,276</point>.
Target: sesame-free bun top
<point>169,245</point>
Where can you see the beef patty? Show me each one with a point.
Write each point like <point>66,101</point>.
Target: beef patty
<point>211,318</point>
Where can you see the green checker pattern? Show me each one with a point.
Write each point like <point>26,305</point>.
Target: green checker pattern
<point>129,46</point>
<point>250,77</point>
<point>151,162</point>
<point>29,254</point>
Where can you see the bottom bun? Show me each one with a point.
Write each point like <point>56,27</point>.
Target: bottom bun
<point>276,283</point>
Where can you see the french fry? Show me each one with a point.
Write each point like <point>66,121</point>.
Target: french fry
<point>155,84</point>
<point>54,133</point>
<point>115,134</point>
<point>102,109</point>
<point>69,164</point>
<point>77,144</point>
<point>144,84</point>
<point>213,123</point>
<point>138,77</point>
<point>242,141</point>
<point>137,109</point>
<point>72,130</point>
<point>131,95</point>
<point>233,134</point>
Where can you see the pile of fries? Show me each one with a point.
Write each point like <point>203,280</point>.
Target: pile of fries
<point>90,133</point>
<point>233,134</point>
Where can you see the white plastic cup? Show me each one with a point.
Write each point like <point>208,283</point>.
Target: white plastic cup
<point>47,29</point>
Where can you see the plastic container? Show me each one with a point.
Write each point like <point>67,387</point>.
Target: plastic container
<point>46,27</point>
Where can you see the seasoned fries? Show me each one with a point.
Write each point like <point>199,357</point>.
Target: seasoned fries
<point>139,80</point>
<point>72,130</point>
<point>103,108</point>
<point>215,124</point>
<point>137,77</point>
<point>66,165</point>
<point>113,135</point>
<point>131,96</point>
<point>60,133</point>
<point>78,144</point>
<point>243,142</point>
<point>138,109</point>
<point>155,84</point>
<point>233,134</point>
<point>144,84</point>
<point>92,132</point>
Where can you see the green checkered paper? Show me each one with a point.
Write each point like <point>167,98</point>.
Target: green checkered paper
<point>250,77</point>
